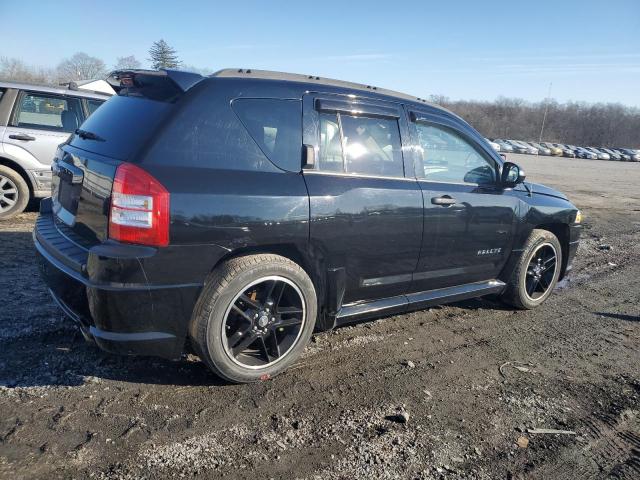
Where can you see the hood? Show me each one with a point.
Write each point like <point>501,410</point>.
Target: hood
<point>539,189</point>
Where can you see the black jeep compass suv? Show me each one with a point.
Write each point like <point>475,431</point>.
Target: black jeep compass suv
<point>237,213</point>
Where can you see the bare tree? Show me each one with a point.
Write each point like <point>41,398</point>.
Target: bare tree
<point>576,123</point>
<point>15,70</point>
<point>81,67</point>
<point>126,63</point>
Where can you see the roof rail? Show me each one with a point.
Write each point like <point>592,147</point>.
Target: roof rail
<point>297,77</point>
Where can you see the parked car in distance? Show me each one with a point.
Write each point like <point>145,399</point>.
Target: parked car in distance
<point>600,154</point>
<point>612,154</point>
<point>625,157</point>
<point>34,120</point>
<point>541,150</point>
<point>553,148</point>
<point>633,155</point>
<point>494,145</point>
<point>582,152</point>
<point>504,146</point>
<point>566,150</point>
<point>531,150</point>
<point>517,147</point>
<point>188,212</point>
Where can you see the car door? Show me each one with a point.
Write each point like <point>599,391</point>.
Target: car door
<point>39,123</point>
<point>469,221</point>
<point>365,213</point>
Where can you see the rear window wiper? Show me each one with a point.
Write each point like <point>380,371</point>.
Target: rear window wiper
<point>86,135</point>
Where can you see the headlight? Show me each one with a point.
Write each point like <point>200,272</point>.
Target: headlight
<point>578,217</point>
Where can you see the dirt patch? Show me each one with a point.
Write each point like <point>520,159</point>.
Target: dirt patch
<point>72,411</point>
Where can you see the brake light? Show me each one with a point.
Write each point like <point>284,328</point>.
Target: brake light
<point>139,210</point>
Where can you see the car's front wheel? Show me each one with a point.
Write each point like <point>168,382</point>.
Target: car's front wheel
<point>14,193</point>
<point>254,317</point>
<point>537,271</point>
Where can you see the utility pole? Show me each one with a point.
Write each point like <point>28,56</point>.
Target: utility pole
<point>546,109</point>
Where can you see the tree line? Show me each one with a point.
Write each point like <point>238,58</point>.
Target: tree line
<point>578,123</point>
<point>82,66</point>
<point>575,123</point>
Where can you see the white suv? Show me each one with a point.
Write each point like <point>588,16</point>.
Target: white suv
<point>34,120</point>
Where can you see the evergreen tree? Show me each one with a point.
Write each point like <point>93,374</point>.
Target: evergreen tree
<point>163,56</point>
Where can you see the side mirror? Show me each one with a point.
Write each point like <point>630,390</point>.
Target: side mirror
<point>512,175</point>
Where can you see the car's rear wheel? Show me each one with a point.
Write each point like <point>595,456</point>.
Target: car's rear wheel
<point>254,317</point>
<point>537,271</point>
<point>14,193</point>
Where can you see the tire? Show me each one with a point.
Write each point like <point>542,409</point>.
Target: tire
<point>222,317</point>
<point>519,293</point>
<point>14,193</point>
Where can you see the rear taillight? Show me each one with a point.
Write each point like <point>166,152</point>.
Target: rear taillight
<point>139,208</point>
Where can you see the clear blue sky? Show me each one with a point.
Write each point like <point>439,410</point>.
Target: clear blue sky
<point>589,49</point>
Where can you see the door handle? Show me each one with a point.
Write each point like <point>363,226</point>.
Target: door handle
<point>445,200</point>
<point>22,136</point>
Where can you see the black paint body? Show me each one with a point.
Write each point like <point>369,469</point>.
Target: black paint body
<point>372,245</point>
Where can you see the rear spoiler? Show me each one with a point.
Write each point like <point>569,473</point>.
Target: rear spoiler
<point>163,85</point>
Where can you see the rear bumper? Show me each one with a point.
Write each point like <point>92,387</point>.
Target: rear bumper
<point>104,292</point>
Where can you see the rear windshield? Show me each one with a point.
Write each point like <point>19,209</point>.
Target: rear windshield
<point>124,123</point>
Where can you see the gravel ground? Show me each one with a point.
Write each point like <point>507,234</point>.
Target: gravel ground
<point>449,392</point>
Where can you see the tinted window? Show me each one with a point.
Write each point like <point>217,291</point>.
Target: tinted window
<point>276,126</point>
<point>125,124</point>
<point>447,157</point>
<point>93,105</point>
<point>372,146</point>
<point>366,146</point>
<point>49,112</point>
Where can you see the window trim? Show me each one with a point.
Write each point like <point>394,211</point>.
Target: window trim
<point>356,109</point>
<point>417,117</point>
<point>17,109</point>
<point>358,175</point>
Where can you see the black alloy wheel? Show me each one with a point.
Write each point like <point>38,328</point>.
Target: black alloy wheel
<point>263,322</point>
<point>541,271</point>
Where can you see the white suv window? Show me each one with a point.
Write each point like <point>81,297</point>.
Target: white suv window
<point>49,112</point>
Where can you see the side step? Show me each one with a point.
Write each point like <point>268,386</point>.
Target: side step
<point>415,301</point>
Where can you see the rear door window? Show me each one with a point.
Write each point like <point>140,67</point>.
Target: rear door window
<point>360,145</point>
<point>372,146</point>
<point>276,126</point>
<point>49,112</point>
